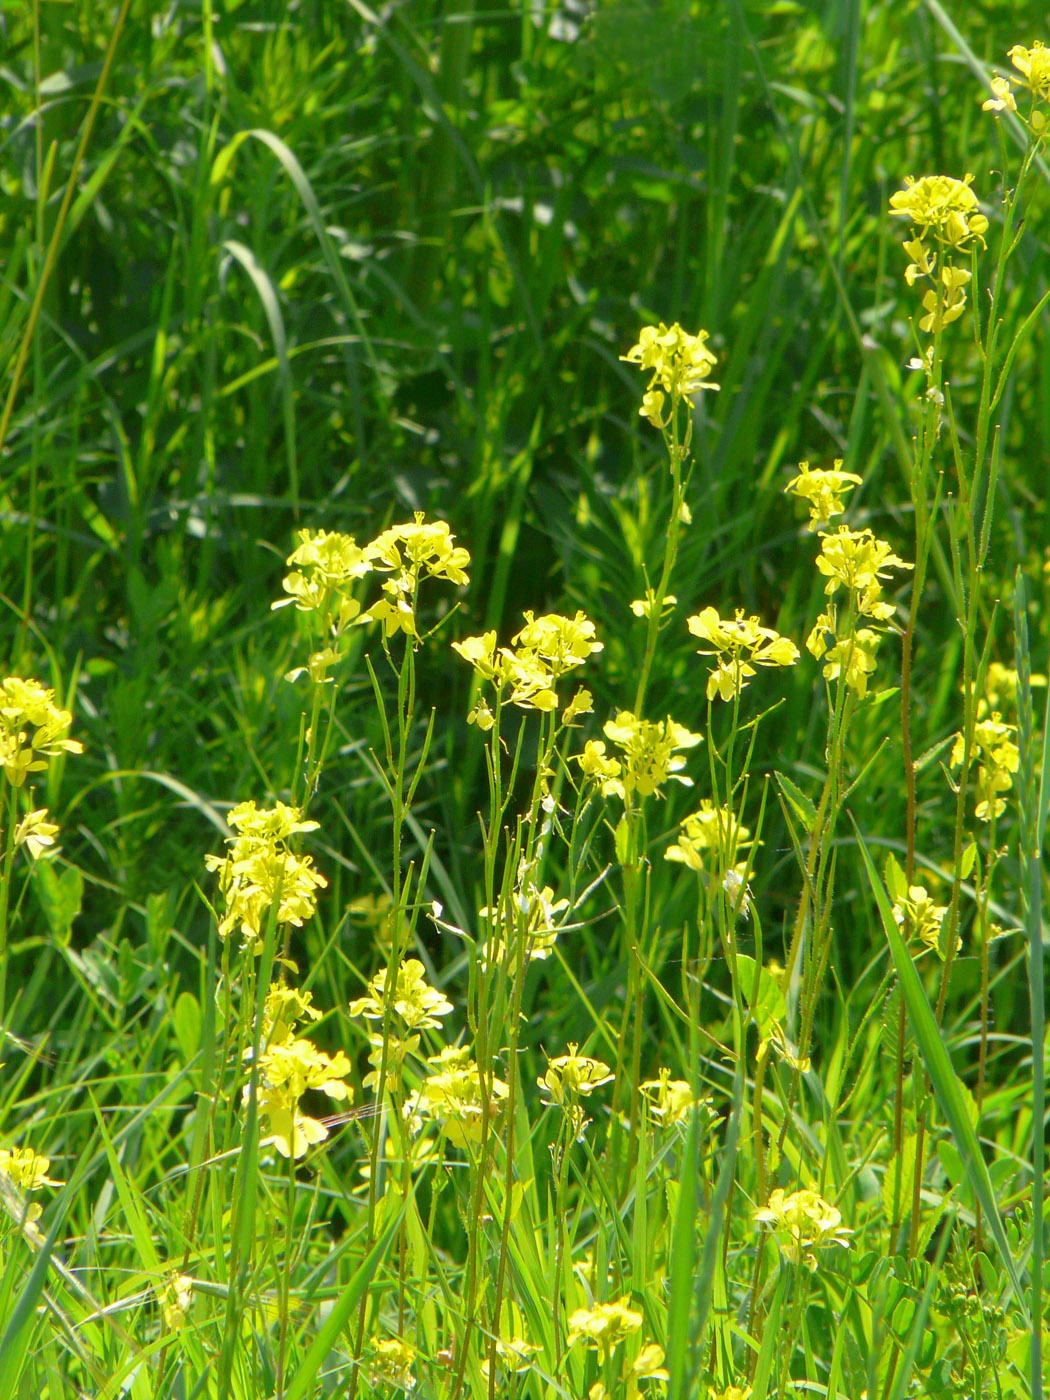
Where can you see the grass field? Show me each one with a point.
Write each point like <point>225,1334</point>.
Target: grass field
<point>383,1008</point>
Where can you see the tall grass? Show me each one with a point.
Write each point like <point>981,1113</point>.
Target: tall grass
<point>282,268</point>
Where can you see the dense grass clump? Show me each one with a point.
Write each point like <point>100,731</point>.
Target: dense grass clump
<point>525,587</point>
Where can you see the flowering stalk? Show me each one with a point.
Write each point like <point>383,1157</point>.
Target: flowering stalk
<point>679,366</point>
<point>945,219</point>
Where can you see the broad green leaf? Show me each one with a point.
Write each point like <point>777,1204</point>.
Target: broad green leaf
<point>768,1006</point>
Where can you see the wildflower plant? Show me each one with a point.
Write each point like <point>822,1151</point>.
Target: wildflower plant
<point>34,732</point>
<point>589,1075</point>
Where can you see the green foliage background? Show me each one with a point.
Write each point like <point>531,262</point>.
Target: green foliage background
<point>325,265</point>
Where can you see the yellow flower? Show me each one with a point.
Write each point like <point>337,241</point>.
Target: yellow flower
<point>711,828</point>
<point>396,1051</point>
<point>544,649</point>
<point>419,548</point>
<point>582,703</point>
<point>652,408</point>
<point>573,1076</point>
<point>604,1326</point>
<point>680,362</point>
<point>532,914</point>
<point>802,1222</point>
<point>648,1365</point>
<point>943,206</point>
<point>269,824</point>
<point>395,610</point>
<point>32,729</point>
<point>918,917</point>
<point>650,749</point>
<point>600,769</point>
<point>282,1008</point>
<point>454,1095</point>
<point>176,1296</point>
<point>1000,688</point>
<point>1002,98</point>
<point>36,833</point>
<point>416,1004</point>
<point>643,607</point>
<point>1034,66</point>
<point>670,1100</point>
<point>855,559</point>
<point>327,564</point>
<point>26,1168</point>
<point>259,872</point>
<point>391,1362</point>
<point>530,683</point>
<point>946,303</point>
<point>739,644</point>
<point>822,490</point>
<point>515,1353</point>
<point>853,657</point>
<point>561,642</point>
<point>287,1069</point>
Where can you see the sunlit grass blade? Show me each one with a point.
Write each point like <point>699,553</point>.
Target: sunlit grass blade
<point>305,1378</point>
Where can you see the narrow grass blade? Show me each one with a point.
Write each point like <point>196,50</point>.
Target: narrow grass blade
<point>304,1382</point>
<point>263,284</point>
<point>945,1082</point>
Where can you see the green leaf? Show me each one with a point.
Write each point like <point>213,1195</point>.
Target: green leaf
<point>186,1020</point>
<point>896,884</point>
<point>797,801</point>
<point>768,1006</point>
<point>61,893</point>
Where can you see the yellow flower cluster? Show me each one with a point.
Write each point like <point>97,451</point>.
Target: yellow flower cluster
<point>822,490</point>
<point>416,1007</point>
<point>740,644</point>
<point>406,553</point>
<point>670,1101</point>
<point>411,1000</point>
<point>175,1295</point>
<point>917,916</point>
<point>857,562</point>
<point>999,691</point>
<point>326,566</point>
<point>678,362</point>
<point>946,220</point>
<point>33,730</point>
<point>515,1354</point>
<point>390,1363</point>
<point>604,1327</point>
<point>716,831</point>
<point>28,1171</point>
<point>525,673</point>
<point>260,873</point>
<point>650,750</point>
<point>999,759</point>
<point>802,1222</point>
<point>572,1076</point>
<point>289,1065</point>
<point>453,1095</point>
<point>1034,67</point>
